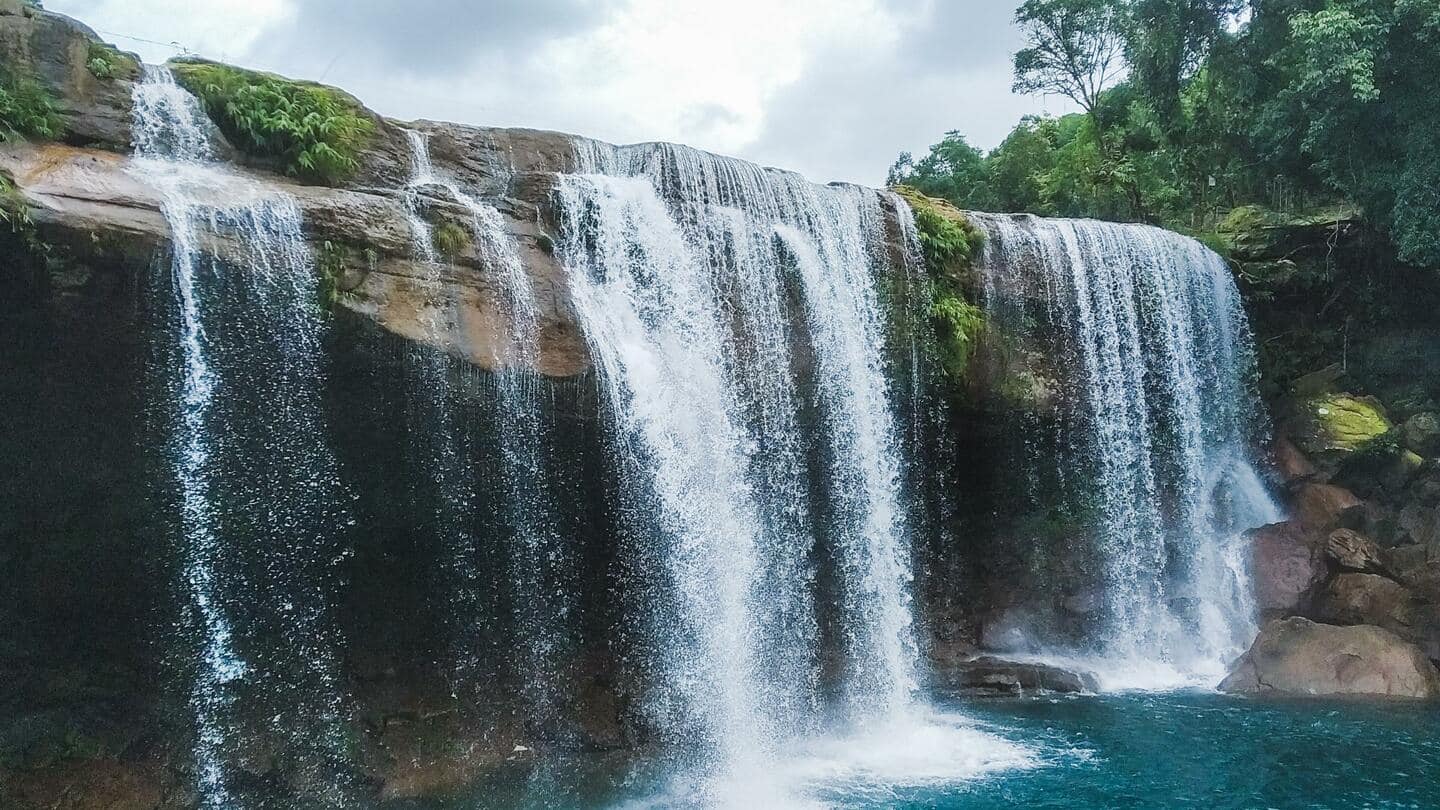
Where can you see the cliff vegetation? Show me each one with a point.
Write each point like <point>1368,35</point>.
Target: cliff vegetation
<point>311,131</point>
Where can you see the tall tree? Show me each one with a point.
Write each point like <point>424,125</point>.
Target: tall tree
<point>1073,48</point>
<point>1166,41</point>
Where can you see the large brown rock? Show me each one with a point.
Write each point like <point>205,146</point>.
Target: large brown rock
<point>1367,599</point>
<point>1286,566</point>
<point>1321,508</point>
<point>1417,567</point>
<point>1296,656</point>
<point>57,51</point>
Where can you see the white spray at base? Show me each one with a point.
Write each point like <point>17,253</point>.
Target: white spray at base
<point>1161,422</point>
<point>714,296</point>
<point>257,487</point>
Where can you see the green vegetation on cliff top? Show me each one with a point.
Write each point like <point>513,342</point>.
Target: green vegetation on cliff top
<point>312,131</point>
<point>949,242</point>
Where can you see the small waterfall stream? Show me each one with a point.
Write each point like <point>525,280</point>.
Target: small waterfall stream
<point>248,453</point>
<point>539,566</point>
<point>1156,369</point>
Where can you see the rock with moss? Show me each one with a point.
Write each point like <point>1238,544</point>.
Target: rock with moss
<point>947,237</point>
<point>451,240</point>
<point>1330,424</point>
<point>1253,233</point>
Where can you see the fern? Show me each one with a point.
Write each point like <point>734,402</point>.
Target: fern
<point>314,132</point>
<point>27,110</point>
<point>947,238</point>
<point>958,326</point>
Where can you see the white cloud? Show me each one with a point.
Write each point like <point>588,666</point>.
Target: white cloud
<point>220,29</point>
<point>833,88</point>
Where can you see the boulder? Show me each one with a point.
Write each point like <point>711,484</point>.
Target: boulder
<point>57,51</point>
<point>988,675</point>
<point>1286,565</point>
<point>1366,599</point>
<point>1419,524</point>
<point>1321,508</point>
<point>1291,463</point>
<point>1349,550</point>
<point>1421,434</point>
<point>1331,425</point>
<point>1296,656</point>
<point>1417,567</point>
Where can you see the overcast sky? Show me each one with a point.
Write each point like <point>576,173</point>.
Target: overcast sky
<point>831,88</point>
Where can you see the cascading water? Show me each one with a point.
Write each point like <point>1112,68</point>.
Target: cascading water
<point>722,303</point>
<point>539,573</point>
<point>259,506</point>
<point>1153,352</point>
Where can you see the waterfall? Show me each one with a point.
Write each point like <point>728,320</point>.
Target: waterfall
<point>539,566</point>
<point>259,507</point>
<point>1144,331</point>
<point>722,302</point>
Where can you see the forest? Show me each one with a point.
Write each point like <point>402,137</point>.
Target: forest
<point>1190,109</point>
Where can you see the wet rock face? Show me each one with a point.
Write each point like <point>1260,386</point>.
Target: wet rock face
<point>1296,656</point>
<point>95,203</point>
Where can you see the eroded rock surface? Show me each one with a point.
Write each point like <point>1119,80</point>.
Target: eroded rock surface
<point>1287,565</point>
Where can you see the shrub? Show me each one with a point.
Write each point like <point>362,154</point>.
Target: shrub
<point>106,62</point>
<point>27,110</point>
<point>314,132</point>
<point>947,237</point>
<point>958,326</point>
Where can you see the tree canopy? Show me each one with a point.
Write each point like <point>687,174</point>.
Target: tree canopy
<point>1194,107</point>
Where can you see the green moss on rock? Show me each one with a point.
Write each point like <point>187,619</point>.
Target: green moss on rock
<point>312,131</point>
<point>106,62</point>
<point>1340,423</point>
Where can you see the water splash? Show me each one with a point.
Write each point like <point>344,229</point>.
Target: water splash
<point>1154,352</point>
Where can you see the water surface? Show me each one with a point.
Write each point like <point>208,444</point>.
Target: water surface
<point>1178,749</point>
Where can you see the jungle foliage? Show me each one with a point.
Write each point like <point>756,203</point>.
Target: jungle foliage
<point>1191,108</point>
<point>312,131</point>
